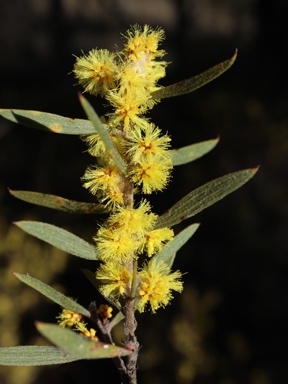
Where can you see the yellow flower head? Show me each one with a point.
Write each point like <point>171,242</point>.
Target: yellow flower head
<point>139,67</point>
<point>107,183</point>
<point>123,235</point>
<point>143,42</point>
<point>116,281</point>
<point>96,71</point>
<point>146,144</point>
<point>129,79</point>
<point>68,318</point>
<point>156,239</point>
<point>113,245</point>
<point>128,107</point>
<point>130,220</point>
<point>152,174</point>
<point>105,311</point>
<point>156,284</point>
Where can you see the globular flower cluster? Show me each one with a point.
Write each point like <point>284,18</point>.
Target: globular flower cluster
<point>127,80</point>
<point>156,285</point>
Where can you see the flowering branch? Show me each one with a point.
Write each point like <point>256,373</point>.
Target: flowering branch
<point>135,248</point>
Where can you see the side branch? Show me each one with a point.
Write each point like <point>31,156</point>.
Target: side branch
<point>106,337</point>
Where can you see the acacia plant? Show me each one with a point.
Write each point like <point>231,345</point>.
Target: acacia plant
<point>133,248</point>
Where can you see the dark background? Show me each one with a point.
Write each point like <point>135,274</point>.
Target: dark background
<point>230,324</point>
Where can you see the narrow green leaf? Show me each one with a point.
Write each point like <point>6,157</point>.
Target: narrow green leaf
<point>49,122</point>
<point>52,294</point>
<point>77,345</point>
<point>192,152</point>
<point>168,252</point>
<point>59,238</point>
<point>31,355</point>
<point>102,131</point>
<point>92,278</point>
<point>59,203</point>
<point>195,82</point>
<point>204,196</point>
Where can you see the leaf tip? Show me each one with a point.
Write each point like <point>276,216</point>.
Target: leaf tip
<point>12,192</point>
<point>39,325</point>
<point>82,99</point>
<point>233,58</point>
<point>255,169</point>
<point>17,223</point>
<point>16,274</point>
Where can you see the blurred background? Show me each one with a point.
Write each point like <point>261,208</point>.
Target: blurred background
<point>230,324</point>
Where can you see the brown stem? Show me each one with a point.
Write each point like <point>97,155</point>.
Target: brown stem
<point>130,341</point>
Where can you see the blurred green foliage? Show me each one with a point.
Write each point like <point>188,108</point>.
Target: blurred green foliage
<point>20,304</point>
